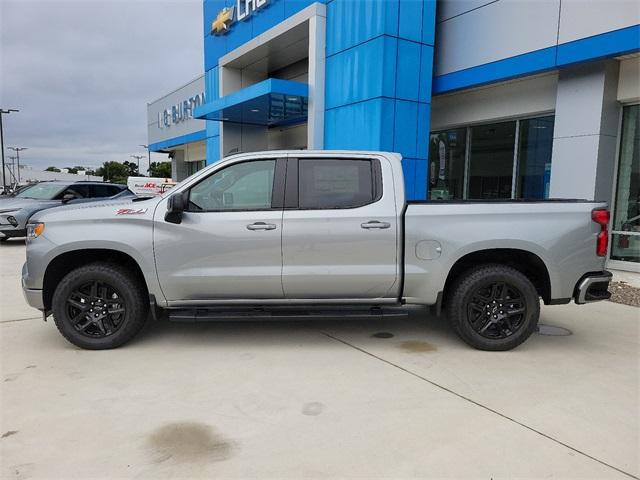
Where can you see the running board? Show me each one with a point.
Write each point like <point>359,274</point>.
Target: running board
<point>279,313</point>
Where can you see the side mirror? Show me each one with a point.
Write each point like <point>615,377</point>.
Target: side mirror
<point>68,197</point>
<point>175,207</point>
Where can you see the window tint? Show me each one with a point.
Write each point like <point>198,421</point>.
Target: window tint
<point>79,191</point>
<point>335,183</point>
<point>243,186</point>
<point>100,191</point>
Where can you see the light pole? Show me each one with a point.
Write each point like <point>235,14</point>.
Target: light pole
<point>148,154</point>
<point>12,170</point>
<point>138,157</point>
<point>2,112</point>
<point>18,150</point>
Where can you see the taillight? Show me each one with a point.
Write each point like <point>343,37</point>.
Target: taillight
<point>601,217</point>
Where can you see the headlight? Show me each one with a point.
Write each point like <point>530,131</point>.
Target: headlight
<point>35,230</point>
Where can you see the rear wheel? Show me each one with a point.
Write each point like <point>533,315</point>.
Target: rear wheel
<point>99,306</point>
<point>494,307</point>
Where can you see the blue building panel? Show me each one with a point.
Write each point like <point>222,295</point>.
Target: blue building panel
<point>408,70</point>
<point>409,27</point>
<point>350,23</point>
<point>369,68</point>
<point>360,126</point>
<point>378,73</point>
<point>405,128</point>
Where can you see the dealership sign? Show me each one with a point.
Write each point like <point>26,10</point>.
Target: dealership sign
<point>179,112</point>
<point>229,15</point>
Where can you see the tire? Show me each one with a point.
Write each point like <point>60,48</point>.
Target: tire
<point>99,306</point>
<point>3,239</point>
<point>493,307</point>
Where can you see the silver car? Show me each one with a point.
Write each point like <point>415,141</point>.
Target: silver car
<point>15,210</point>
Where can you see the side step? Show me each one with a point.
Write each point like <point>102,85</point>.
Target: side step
<point>279,313</point>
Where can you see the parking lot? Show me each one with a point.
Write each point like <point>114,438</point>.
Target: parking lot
<point>317,399</point>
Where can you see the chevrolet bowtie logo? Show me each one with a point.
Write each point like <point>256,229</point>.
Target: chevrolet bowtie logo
<point>222,22</point>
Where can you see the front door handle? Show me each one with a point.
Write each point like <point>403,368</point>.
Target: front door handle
<point>261,226</point>
<point>375,224</point>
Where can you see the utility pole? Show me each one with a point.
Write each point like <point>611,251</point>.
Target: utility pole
<point>2,112</point>
<point>18,150</point>
<point>148,154</point>
<point>138,157</point>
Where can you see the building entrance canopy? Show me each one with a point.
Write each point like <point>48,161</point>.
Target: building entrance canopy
<point>271,102</point>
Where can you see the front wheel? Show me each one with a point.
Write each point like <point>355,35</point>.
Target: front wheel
<point>494,307</point>
<point>99,306</point>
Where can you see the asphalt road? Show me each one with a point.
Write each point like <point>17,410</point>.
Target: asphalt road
<point>318,399</point>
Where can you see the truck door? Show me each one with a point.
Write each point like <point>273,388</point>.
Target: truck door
<point>340,229</point>
<point>228,245</point>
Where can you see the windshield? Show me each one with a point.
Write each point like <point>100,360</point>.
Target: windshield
<point>41,191</point>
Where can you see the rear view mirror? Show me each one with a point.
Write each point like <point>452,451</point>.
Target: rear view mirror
<point>175,207</point>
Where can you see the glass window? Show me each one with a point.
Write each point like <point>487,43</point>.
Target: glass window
<point>41,191</point>
<point>100,191</point>
<point>534,158</point>
<point>446,167</point>
<point>79,191</point>
<point>626,217</point>
<point>491,161</point>
<point>193,167</point>
<point>335,183</point>
<point>243,186</point>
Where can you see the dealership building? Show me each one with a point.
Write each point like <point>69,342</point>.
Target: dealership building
<point>484,99</point>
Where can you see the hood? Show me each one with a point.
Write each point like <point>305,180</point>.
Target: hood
<point>16,203</point>
<point>98,210</point>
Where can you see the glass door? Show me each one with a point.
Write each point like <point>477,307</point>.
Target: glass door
<point>625,240</point>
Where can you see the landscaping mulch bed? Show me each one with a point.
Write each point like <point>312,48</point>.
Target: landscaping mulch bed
<point>622,292</point>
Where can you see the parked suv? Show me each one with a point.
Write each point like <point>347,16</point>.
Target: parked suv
<point>15,210</point>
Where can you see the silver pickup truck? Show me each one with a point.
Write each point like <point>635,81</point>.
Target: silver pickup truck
<point>317,233</point>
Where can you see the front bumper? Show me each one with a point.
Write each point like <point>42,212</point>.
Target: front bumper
<point>33,297</point>
<point>593,287</point>
<point>9,231</point>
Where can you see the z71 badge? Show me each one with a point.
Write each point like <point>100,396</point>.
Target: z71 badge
<point>131,211</point>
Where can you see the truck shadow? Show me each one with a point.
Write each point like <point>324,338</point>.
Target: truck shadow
<point>420,324</point>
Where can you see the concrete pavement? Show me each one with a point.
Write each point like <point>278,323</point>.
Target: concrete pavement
<point>319,399</point>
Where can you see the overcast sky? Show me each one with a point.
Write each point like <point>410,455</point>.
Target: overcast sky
<point>81,72</point>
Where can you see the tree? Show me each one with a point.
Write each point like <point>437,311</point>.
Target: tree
<point>113,172</point>
<point>52,169</point>
<point>132,168</point>
<point>160,169</point>
<point>72,169</point>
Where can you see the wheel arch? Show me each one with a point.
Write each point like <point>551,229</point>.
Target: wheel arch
<point>65,262</point>
<point>526,262</point>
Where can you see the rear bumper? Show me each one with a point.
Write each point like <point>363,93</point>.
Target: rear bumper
<point>593,287</point>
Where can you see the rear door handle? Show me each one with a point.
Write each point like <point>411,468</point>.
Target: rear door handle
<point>375,224</point>
<point>261,226</point>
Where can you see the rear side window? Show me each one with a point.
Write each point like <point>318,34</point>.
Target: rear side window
<point>326,184</point>
<point>103,191</point>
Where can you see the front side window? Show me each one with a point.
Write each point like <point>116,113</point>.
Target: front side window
<point>243,186</point>
<point>325,184</point>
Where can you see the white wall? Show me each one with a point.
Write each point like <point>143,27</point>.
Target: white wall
<point>155,131</point>
<point>524,97</point>
<point>474,32</point>
<point>629,81</point>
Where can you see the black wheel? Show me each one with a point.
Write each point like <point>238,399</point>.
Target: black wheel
<point>99,306</point>
<point>494,307</point>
